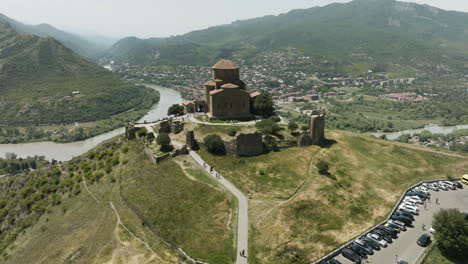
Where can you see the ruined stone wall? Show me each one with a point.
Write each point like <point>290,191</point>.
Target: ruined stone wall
<point>245,145</point>
<point>317,128</point>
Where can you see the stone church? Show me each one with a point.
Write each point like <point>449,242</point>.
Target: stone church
<point>226,95</point>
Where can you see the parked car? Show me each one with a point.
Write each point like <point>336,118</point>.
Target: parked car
<point>424,240</point>
<point>371,242</point>
<point>458,184</point>
<point>403,213</point>
<point>383,235</point>
<point>378,239</point>
<point>421,189</point>
<point>451,185</point>
<point>364,246</point>
<point>334,261</point>
<point>421,195</point>
<point>413,199</point>
<point>388,230</point>
<point>431,186</point>
<point>361,252</point>
<point>443,186</point>
<point>402,219</point>
<point>402,262</point>
<point>409,208</point>
<point>349,254</point>
<point>464,179</point>
<point>397,225</point>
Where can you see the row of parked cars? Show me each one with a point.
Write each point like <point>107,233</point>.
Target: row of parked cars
<point>399,221</point>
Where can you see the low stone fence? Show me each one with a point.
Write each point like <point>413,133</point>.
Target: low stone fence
<point>337,251</point>
<point>188,258</point>
<point>157,159</point>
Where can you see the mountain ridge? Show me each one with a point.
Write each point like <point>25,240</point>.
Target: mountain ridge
<point>384,31</point>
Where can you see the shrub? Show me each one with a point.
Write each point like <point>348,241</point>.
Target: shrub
<point>215,144</point>
<point>451,233</point>
<point>323,166</point>
<point>275,119</point>
<point>293,126</point>
<point>232,132</point>
<point>268,127</point>
<point>164,141</point>
<point>176,110</point>
<point>263,105</point>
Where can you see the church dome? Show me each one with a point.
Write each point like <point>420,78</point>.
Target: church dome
<point>225,65</point>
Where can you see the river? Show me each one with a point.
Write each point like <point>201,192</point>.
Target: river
<point>66,151</point>
<point>435,129</point>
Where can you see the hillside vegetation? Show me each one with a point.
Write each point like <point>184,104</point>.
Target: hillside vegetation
<point>299,215</point>
<point>39,75</point>
<point>381,34</point>
<point>112,205</point>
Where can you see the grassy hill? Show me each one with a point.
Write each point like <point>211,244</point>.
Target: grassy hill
<point>298,215</point>
<point>381,34</point>
<point>74,42</point>
<point>38,76</point>
<point>113,205</point>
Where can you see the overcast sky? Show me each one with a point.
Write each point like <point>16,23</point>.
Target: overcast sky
<point>159,18</point>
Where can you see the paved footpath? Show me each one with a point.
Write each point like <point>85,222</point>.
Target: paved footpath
<point>243,218</point>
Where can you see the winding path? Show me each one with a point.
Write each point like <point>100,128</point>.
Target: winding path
<point>243,213</point>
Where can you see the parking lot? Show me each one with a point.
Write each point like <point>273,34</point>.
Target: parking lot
<point>405,247</point>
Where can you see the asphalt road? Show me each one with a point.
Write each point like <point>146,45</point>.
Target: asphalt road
<point>405,247</point>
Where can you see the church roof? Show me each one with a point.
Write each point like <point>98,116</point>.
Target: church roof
<point>255,94</point>
<point>216,91</point>
<point>187,102</point>
<point>225,65</point>
<point>229,86</point>
<point>210,83</point>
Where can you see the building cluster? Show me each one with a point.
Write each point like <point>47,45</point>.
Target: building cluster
<point>407,97</point>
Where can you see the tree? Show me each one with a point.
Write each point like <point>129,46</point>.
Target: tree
<point>451,233</point>
<point>263,105</point>
<point>164,141</point>
<point>176,110</point>
<point>215,144</point>
<point>232,132</point>
<point>293,126</point>
<point>268,127</point>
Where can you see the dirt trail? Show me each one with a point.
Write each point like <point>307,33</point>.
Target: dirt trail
<point>120,224</point>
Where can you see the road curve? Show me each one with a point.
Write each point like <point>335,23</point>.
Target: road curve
<point>243,217</point>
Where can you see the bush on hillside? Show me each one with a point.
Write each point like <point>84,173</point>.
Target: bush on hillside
<point>176,110</point>
<point>232,132</point>
<point>164,141</point>
<point>264,105</point>
<point>268,127</point>
<point>323,166</point>
<point>215,144</point>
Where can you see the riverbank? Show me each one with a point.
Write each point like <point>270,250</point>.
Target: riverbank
<point>77,131</point>
<point>66,151</point>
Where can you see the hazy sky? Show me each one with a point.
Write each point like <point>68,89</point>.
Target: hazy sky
<point>159,18</point>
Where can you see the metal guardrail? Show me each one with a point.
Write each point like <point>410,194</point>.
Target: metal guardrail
<point>337,251</point>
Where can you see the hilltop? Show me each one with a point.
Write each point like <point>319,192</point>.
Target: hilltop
<point>74,42</point>
<point>38,77</point>
<point>382,35</point>
<point>112,204</point>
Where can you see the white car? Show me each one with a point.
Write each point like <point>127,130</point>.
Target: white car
<point>400,224</point>
<point>377,238</point>
<point>421,189</point>
<point>412,200</point>
<point>415,198</point>
<point>409,208</point>
<point>431,186</point>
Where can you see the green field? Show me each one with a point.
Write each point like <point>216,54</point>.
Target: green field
<point>298,214</point>
<point>161,208</point>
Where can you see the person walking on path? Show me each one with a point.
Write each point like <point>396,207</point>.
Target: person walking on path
<point>429,199</point>
<point>423,227</point>
<point>437,200</point>
<point>425,206</point>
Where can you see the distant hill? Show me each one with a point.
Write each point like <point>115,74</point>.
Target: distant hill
<point>379,33</point>
<point>39,75</point>
<point>77,43</point>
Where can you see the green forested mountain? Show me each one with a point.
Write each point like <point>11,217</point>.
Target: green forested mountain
<point>381,33</point>
<point>39,75</point>
<point>78,44</point>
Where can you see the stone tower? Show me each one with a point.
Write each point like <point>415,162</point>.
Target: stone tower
<point>317,126</point>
